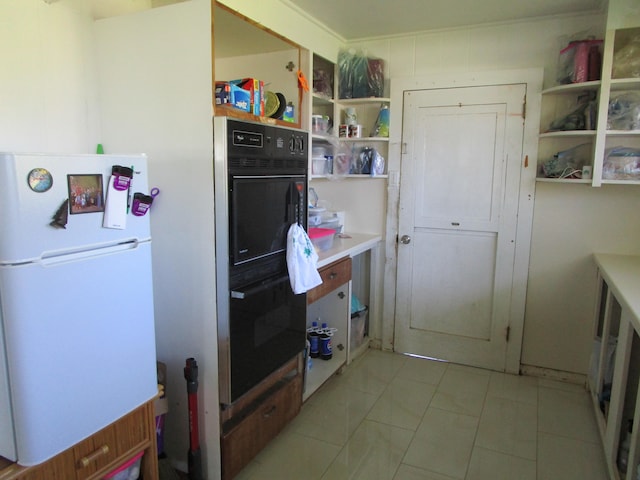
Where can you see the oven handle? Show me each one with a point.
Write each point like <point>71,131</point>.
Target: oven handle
<point>242,294</point>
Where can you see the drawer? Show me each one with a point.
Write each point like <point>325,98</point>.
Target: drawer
<point>333,275</point>
<point>122,437</point>
<point>249,433</point>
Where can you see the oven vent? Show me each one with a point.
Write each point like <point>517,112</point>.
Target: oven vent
<point>275,164</point>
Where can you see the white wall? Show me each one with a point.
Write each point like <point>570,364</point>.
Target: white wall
<point>568,223</point>
<point>47,99</point>
<point>152,72</point>
<point>155,96</point>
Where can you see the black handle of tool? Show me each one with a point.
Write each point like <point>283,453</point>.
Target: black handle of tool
<point>195,465</point>
<point>193,456</point>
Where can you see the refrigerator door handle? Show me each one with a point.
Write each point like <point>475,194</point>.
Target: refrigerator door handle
<point>54,258</point>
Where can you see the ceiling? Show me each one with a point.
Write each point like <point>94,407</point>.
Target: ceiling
<point>357,19</point>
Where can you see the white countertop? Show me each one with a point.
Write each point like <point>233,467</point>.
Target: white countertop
<point>352,246</point>
<point>622,274</point>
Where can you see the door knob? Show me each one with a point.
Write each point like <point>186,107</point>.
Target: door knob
<point>406,239</point>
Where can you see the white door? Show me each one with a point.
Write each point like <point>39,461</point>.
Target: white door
<point>460,180</point>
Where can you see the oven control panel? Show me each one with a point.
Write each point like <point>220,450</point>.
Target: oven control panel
<point>265,146</point>
<point>289,143</point>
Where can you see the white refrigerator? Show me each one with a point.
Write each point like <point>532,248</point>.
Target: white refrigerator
<point>77,340</point>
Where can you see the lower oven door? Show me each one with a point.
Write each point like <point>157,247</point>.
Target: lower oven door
<point>267,325</point>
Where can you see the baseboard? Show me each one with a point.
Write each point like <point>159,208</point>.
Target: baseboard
<point>551,374</point>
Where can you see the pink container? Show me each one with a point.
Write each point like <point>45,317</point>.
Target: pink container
<point>322,238</point>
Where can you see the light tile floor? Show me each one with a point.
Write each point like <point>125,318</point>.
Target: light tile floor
<point>395,417</point>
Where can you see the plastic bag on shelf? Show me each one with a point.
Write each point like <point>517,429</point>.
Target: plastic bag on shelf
<point>342,160</point>
<point>624,111</point>
<point>377,165</point>
<point>345,81</point>
<point>567,163</point>
<point>359,76</point>
<point>626,61</point>
<point>581,118</point>
<point>375,77</point>
<point>352,71</point>
<point>621,163</point>
<point>580,60</point>
<point>361,164</point>
<point>323,83</point>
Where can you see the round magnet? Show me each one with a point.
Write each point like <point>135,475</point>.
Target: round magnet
<point>40,180</point>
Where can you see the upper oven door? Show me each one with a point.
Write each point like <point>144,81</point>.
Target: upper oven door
<point>262,208</point>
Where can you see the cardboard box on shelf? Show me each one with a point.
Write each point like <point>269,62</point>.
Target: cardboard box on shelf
<point>255,88</point>
<point>229,94</point>
<point>223,93</point>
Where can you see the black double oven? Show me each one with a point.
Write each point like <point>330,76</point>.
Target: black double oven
<point>260,191</point>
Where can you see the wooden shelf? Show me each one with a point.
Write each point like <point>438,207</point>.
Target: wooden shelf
<point>227,111</point>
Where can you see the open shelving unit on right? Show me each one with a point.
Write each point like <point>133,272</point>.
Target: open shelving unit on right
<point>603,136</point>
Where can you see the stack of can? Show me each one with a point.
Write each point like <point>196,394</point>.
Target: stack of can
<point>320,340</point>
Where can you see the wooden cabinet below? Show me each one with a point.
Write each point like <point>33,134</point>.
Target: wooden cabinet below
<point>259,416</point>
<point>103,452</point>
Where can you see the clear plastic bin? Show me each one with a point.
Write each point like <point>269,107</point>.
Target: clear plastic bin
<point>359,327</point>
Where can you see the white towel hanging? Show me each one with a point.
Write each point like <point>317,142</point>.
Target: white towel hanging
<point>302,260</point>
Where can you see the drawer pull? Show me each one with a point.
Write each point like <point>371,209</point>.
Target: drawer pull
<point>93,456</point>
<point>332,275</point>
<point>269,412</point>
<point>341,294</point>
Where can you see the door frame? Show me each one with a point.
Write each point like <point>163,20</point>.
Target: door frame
<point>532,78</point>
